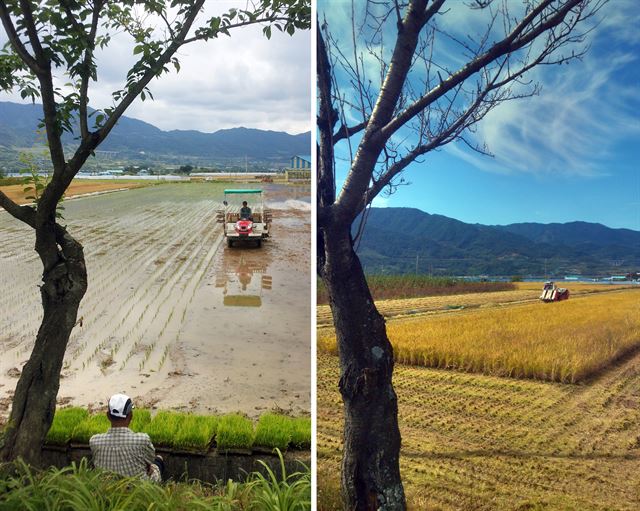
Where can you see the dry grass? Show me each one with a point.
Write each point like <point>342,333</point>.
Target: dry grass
<point>482,443</point>
<point>566,341</point>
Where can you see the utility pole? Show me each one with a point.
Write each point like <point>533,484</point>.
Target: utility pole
<point>417,259</point>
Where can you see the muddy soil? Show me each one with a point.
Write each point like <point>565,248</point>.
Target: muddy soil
<point>245,344</point>
<point>172,316</point>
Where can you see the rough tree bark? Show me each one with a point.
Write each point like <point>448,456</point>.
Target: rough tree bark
<point>370,477</point>
<point>64,283</point>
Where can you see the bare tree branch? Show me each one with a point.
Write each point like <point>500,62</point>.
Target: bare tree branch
<point>508,45</point>
<point>348,131</point>
<point>372,142</point>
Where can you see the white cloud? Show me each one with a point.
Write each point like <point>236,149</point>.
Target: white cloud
<point>242,80</point>
<point>572,127</point>
<point>582,114</point>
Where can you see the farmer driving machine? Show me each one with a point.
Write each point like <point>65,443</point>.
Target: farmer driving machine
<point>553,293</point>
<point>244,216</point>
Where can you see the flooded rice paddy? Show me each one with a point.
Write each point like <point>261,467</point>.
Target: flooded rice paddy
<point>171,316</point>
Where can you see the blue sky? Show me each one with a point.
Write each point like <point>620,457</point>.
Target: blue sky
<point>570,153</point>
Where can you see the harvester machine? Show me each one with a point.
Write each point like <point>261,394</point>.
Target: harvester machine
<point>553,293</point>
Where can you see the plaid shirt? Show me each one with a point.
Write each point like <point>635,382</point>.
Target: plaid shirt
<point>124,452</point>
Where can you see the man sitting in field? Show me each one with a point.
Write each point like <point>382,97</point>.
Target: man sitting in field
<point>122,451</point>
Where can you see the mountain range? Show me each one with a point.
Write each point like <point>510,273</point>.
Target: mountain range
<point>397,240</point>
<point>132,138</point>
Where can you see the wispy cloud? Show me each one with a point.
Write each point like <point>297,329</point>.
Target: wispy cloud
<point>585,110</point>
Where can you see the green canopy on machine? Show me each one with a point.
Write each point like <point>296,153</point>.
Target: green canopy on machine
<point>250,190</point>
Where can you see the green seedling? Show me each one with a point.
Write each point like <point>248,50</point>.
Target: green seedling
<point>301,433</point>
<point>234,432</point>
<point>92,425</point>
<point>273,431</point>
<point>64,421</point>
<point>163,428</point>
<point>196,432</point>
<point>141,418</point>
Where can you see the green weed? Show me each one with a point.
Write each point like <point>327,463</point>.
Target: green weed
<point>80,488</point>
<point>291,493</point>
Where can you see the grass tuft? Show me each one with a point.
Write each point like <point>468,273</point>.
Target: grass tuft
<point>81,488</point>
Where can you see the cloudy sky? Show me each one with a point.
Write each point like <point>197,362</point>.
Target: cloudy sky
<point>570,153</point>
<point>242,80</point>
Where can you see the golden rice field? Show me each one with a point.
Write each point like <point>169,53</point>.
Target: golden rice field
<point>565,341</point>
<point>524,292</point>
<point>575,287</point>
<point>472,442</point>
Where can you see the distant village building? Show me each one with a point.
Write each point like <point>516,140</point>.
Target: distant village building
<point>301,162</point>
<point>300,169</point>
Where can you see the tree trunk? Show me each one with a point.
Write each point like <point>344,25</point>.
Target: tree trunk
<point>370,463</point>
<point>64,284</point>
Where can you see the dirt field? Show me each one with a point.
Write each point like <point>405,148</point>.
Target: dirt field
<point>78,187</point>
<point>156,320</point>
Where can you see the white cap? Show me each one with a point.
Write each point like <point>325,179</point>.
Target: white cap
<point>120,405</point>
